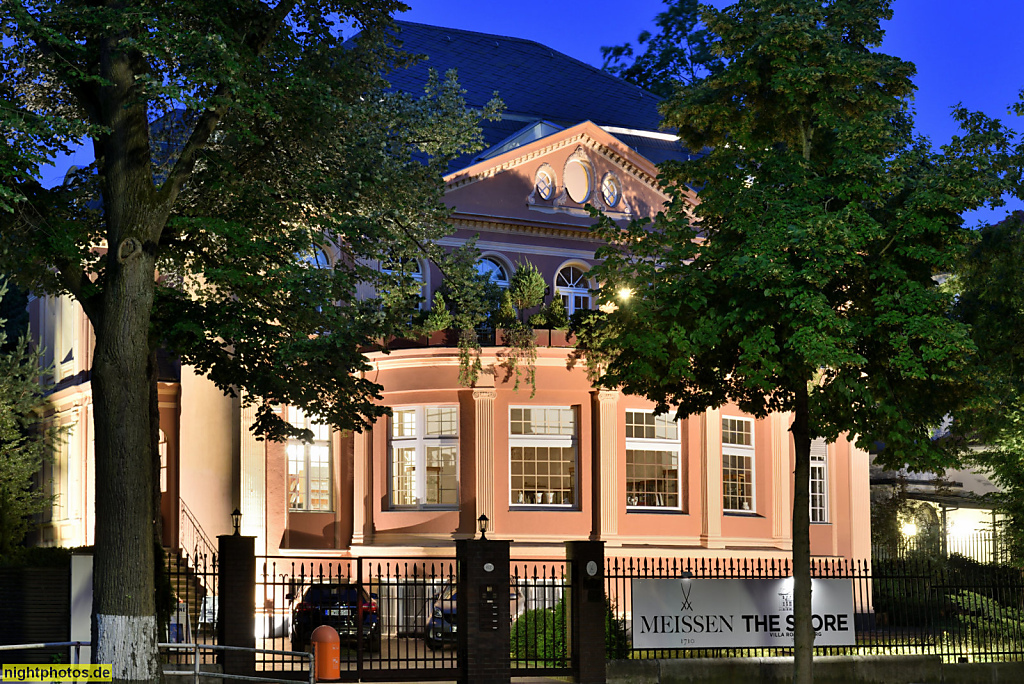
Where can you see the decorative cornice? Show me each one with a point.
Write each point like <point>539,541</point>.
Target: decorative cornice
<point>580,138</point>
<point>518,226</point>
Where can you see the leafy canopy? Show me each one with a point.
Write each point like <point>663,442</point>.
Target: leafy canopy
<point>678,54</point>
<point>809,260</point>
<point>990,286</point>
<point>240,145</point>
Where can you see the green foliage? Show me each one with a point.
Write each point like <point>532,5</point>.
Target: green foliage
<point>13,314</point>
<point>539,635</point>
<point>26,441</point>
<point>552,317</point>
<point>803,280</point>
<point>889,510</point>
<point>821,224</point>
<point>963,600</point>
<point>40,557</point>
<point>268,142</point>
<point>678,54</point>
<point>617,645</point>
<point>234,145</point>
<point>466,301</point>
<point>525,291</point>
<point>990,287</point>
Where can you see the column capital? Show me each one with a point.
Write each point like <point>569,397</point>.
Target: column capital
<point>607,396</point>
<point>482,393</point>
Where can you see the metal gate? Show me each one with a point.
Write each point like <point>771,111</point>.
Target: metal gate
<point>541,618</point>
<point>395,616</point>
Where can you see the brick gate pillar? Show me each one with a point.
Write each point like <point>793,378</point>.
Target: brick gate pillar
<point>483,611</point>
<point>236,602</point>
<point>586,610</point>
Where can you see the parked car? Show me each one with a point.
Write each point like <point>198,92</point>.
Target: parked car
<point>348,608</point>
<point>442,626</point>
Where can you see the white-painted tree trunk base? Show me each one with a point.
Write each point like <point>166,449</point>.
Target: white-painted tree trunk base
<point>128,644</point>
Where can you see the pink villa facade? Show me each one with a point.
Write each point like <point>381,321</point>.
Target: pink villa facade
<point>565,462</point>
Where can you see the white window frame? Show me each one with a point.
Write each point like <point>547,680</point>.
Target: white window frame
<point>494,272</point>
<point>545,440</point>
<point>419,441</point>
<point>654,444</point>
<point>571,290</point>
<point>322,439</point>
<point>819,501</point>
<point>742,451</point>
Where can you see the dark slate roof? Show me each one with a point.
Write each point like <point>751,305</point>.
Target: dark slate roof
<point>535,83</point>
<point>531,79</point>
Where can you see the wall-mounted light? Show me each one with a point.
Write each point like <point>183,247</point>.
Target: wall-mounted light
<point>482,521</point>
<point>236,520</point>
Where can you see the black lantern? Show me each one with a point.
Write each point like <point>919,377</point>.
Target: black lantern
<point>483,526</point>
<point>236,520</point>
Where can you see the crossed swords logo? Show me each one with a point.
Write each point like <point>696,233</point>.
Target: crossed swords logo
<point>686,588</point>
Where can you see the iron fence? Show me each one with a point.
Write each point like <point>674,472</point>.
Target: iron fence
<point>958,609</point>
<point>540,617</point>
<point>984,547</point>
<point>193,617</point>
<point>383,609</point>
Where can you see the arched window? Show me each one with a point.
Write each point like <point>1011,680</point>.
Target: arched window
<point>573,286</point>
<point>410,268</point>
<point>494,269</point>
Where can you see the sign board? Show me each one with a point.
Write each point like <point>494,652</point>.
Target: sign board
<point>714,613</point>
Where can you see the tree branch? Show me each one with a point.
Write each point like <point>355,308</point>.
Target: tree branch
<point>85,95</point>
<point>212,116</point>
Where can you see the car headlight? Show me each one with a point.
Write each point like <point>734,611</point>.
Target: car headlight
<point>438,614</point>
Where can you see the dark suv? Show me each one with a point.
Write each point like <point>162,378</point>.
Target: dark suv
<point>342,606</point>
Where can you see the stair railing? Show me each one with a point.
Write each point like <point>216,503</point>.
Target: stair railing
<point>191,537</point>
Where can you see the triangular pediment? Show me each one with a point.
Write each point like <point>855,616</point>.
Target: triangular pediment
<point>552,179</point>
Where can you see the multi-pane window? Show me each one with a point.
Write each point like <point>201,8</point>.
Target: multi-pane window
<point>573,286</point>
<point>652,460</point>
<point>737,464</point>
<point>424,458</point>
<point>309,466</point>
<point>819,481</point>
<point>543,456</point>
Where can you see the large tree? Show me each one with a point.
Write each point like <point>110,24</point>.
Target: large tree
<point>239,148</point>
<point>803,281</point>
<point>989,282</point>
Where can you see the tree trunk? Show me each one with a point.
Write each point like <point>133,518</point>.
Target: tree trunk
<point>124,623</point>
<point>803,633</point>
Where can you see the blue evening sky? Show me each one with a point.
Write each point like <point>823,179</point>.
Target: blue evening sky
<point>964,52</point>
<point>969,52</point>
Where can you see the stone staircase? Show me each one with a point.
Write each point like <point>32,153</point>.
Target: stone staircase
<point>186,584</point>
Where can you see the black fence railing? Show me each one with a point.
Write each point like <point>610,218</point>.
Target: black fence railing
<point>193,586</point>
<point>393,615</point>
<point>959,609</point>
<point>983,547</point>
<point>540,615</point>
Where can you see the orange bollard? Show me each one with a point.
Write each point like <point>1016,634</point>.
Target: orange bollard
<point>326,654</point>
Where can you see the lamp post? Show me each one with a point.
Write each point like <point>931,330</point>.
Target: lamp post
<point>236,520</point>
